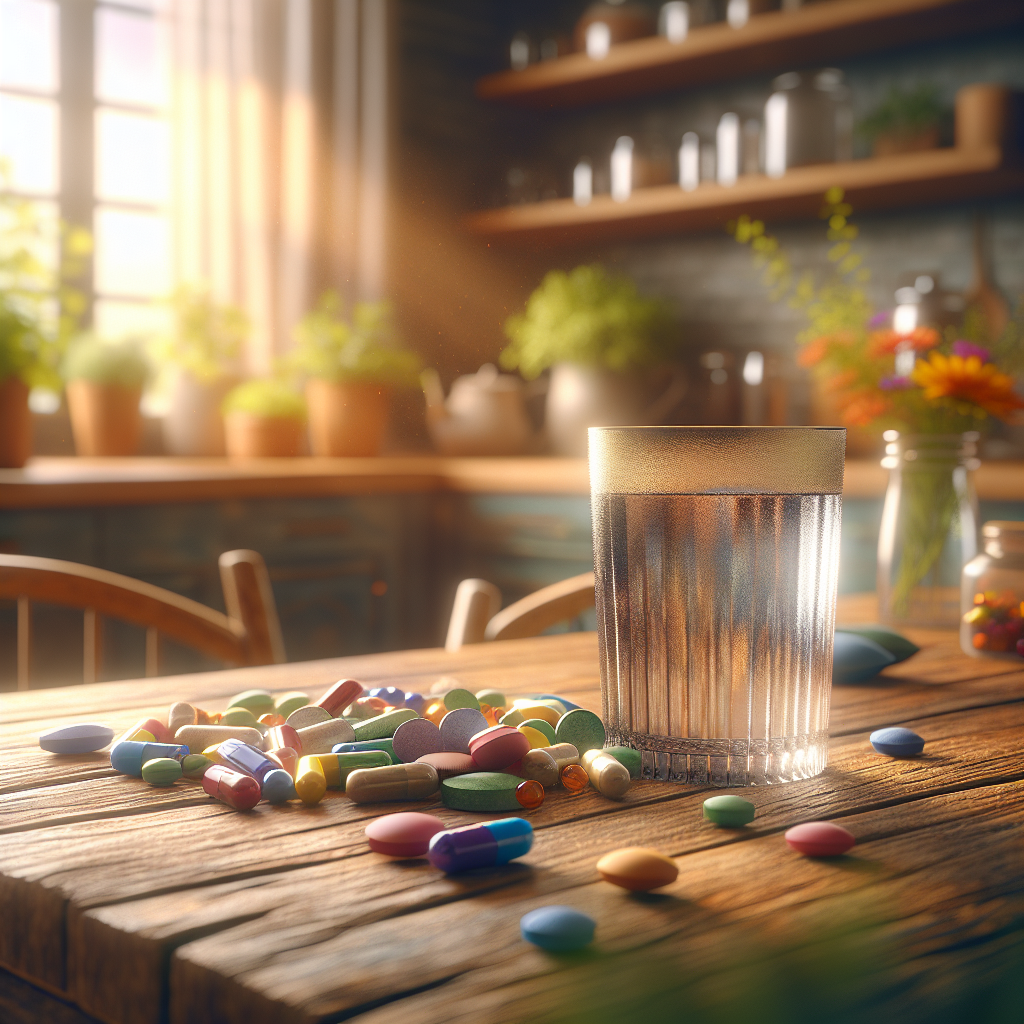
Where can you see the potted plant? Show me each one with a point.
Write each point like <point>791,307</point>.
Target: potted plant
<point>598,336</point>
<point>905,122</point>
<point>19,347</point>
<point>204,348</point>
<point>351,368</point>
<point>263,418</point>
<point>104,387</point>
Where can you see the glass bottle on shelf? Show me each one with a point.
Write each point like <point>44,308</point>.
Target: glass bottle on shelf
<point>807,120</point>
<point>992,595</point>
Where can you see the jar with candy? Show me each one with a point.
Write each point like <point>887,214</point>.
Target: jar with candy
<point>992,595</point>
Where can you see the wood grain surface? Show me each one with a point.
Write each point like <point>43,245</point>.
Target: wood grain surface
<point>132,904</point>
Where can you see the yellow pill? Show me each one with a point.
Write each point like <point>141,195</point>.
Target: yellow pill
<point>535,736</point>
<point>213,753</point>
<point>544,711</point>
<point>310,783</point>
<point>142,736</point>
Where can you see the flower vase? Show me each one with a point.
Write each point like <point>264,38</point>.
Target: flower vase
<point>929,527</point>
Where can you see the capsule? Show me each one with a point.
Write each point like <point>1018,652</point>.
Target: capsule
<point>414,781</point>
<point>248,759</point>
<point>283,736</point>
<point>538,766</point>
<point>340,695</point>
<point>338,767</point>
<point>483,845</point>
<point>242,792</point>
<point>199,737</point>
<point>285,757</point>
<point>310,783</point>
<point>608,776</point>
<point>153,726</point>
<point>563,754</point>
<point>320,738</point>
<point>386,745</point>
<point>278,786</point>
<point>128,756</point>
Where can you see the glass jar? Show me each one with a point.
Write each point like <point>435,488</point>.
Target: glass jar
<point>929,527</point>
<point>992,595</point>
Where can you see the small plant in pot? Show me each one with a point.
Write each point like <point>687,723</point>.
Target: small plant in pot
<point>905,122</point>
<point>104,387</point>
<point>21,367</point>
<point>204,349</point>
<point>601,339</point>
<point>351,368</point>
<point>263,418</point>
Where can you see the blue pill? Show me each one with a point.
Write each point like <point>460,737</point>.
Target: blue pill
<point>897,742</point>
<point>416,701</point>
<point>76,739</point>
<point>128,756</point>
<point>569,706</point>
<point>390,695</point>
<point>856,659</point>
<point>247,759</point>
<point>558,929</point>
<point>484,845</point>
<point>278,786</point>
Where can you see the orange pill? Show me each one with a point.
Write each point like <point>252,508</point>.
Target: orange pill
<point>271,720</point>
<point>979,641</point>
<point>574,778</point>
<point>530,794</point>
<point>435,712</point>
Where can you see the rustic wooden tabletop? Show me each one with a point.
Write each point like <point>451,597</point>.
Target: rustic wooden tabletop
<point>129,904</point>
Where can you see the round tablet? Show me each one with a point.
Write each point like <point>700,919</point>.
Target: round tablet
<point>820,839</point>
<point>582,728</point>
<point>492,697</point>
<point>557,929</point>
<point>541,726</point>
<point>415,738</point>
<point>416,701</point>
<point>458,727</point>
<point>730,811</point>
<point>897,742</point>
<point>76,739</point>
<point>307,715</point>
<point>496,748</point>
<point>481,791</point>
<point>449,763</point>
<point>455,699</point>
<point>537,739</point>
<point>637,868</point>
<point>406,834</point>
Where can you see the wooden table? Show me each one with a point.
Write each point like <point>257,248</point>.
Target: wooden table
<point>134,904</point>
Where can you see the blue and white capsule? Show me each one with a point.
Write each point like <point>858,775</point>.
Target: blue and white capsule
<point>128,756</point>
<point>487,844</point>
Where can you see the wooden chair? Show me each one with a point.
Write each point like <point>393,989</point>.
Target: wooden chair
<point>475,616</point>
<point>250,633</point>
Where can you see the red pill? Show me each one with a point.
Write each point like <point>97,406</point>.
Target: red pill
<point>530,794</point>
<point>286,757</point>
<point>340,695</point>
<point>406,834</point>
<point>242,792</point>
<point>283,736</point>
<point>494,749</point>
<point>575,778</point>
<point>820,839</point>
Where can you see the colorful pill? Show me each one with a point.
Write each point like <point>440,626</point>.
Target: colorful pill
<point>320,738</point>
<point>491,697</point>
<point>385,744</point>
<point>248,759</point>
<point>607,776</point>
<point>458,727</point>
<point>532,709</point>
<point>820,839</point>
<point>487,844</point>
<point>449,763</point>
<point>541,726</point>
<point>310,714</point>
<point>151,725</point>
<point>338,767</point>
<point>496,748</point>
<point>459,698</point>
<point>390,695</point>
<point>142,736</point>
<point>416,702</point>
<point>256,701</point>
<point>557,929</point>
<point>382,726</point>
<point>161,771</point>
<point>180,714</point>
<point>530,794</point>
<point>199,737</point>
<point>512,718</point>
<point>563,754</point>
<point>213,754</point>
<point>582,728</point>
<point>242,792</point>
<point>729,811</point>
<point>575,778</point>
<point>897,742</point>
<point>415,738</point>
<point>537,765</point>
<point>535,737</point>
<point>340,695</point>
<point>637,868</point>
<point>289,702</point>
<point>282,736</point>
<point>481,791</point>
<point>286,757</point>
<point>629,757</point>
<point>278,787</point>
<point>310,783</point>
<point>238,716</point>
<point>81,738</point>
<point>193,766</point>
<point>270,720</point>
<point>128,756</point>
<point>396,782</point>
<point>405,834</point>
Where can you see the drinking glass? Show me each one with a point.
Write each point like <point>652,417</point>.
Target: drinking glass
<point>716,552</point>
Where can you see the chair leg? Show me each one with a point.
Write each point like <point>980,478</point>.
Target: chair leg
<point>476,603</point>
<point>92,646</point>
<point>152,652</point>
<point>24,642</point>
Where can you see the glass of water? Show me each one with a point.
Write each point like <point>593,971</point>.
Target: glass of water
<point>716,552</point>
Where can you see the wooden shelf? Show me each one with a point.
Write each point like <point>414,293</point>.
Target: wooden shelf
<point>910,179</point>
<point>775,41</point>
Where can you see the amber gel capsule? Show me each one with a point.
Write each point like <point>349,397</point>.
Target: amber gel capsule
<point>414,781</point>
<point>242,792</point>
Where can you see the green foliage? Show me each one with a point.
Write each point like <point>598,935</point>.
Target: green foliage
<point>331,347</point>
<point>904,112</point>
<point>268,397</point>
<point>208,336</point>
<point>106,362</point>
<point>587,316</point>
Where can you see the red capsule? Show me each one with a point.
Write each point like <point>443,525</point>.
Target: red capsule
<point>242,792</point>
<point>286,757</point>
<point>283,736</point>
<point>530,794</point>
<point>340,695</point>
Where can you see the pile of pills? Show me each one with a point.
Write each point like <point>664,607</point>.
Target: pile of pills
<point>996,623</point>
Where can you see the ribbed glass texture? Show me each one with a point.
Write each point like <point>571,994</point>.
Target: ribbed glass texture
<point>715,617</point>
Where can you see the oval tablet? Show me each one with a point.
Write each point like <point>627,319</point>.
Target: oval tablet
<point>558,929</point>
<point>897,742</point>
<point>582,728</point>
<point>414,781</point>
<point>391,695</point>
<point>238,716</point>
<point>481,791</point>
<point>496,748</point>
<point>181,713</point>
<point>729,811</point>
<point>637,868</point>
<point>161,771</point>
<point>80,738</point>
<point>531,709</point>
<point>820,839</point>
<point>405,834</point>
<point>289,702</point>
<point>458,727</point>
<point>415,738</point>
<point>383,726</point>
<point>449,763</point>
<point>512,718</point>
<point>259,702</point>
<point>193,766</point>
<point>491,697</point>
<point>416,702</point>
<point>856,659</point>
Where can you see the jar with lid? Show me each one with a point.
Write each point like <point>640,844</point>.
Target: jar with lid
<point>992,595</point>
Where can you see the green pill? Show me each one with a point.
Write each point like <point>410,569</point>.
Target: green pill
<point>289,702</point>
<point>541,726</point>
<point>582,728</point>
<point>238,716</point>
<point>895,643</point>
<point>729,811</point>
<point>193,766</point>
<point>455,699</point>
<point>387,745</point>
<point>161,771</point>
<point>512,718</point>
<point>481,791</point>
<point>259,702</point>
<point>628,757</point>
<point>382,726</point>
<point>491,698</point>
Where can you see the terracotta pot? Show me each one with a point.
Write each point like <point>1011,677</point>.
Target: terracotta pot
<point>983,116</point>
<point>345,418</point>
<point>105,418</point>
<point>193,424</point>
<point>891,143</point>
<point>254,437</point>
<point>15,424</point>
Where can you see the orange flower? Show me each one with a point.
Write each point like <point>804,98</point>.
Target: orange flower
<point>813,352</point>
<point>967,380</point>
<point>885,342</point>
<point>841,381</point>
<point>862,408</point>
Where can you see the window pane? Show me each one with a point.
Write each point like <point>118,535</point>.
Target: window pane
<point>132,157</point>
<point>131,59</point>
<point>28,141</point>
<point>132,253</point>
<point>113,319</point>
<point>28,44</point>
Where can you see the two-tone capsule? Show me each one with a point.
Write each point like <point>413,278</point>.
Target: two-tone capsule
<point>486,844</point>
<point>246,758</point>
<point>129,756</point>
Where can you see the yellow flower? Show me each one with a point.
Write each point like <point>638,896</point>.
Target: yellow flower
<point>967,380</point>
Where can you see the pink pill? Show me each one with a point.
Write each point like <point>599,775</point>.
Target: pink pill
<point>340,695</point>
<point>820,839</point>
<point>283,736</point>
<point>496,748</point>
<point>406,834</point>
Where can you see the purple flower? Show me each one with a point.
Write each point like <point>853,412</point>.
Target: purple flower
<point>966,349</point>
<point>895,383</point>
<point>880,319</point>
